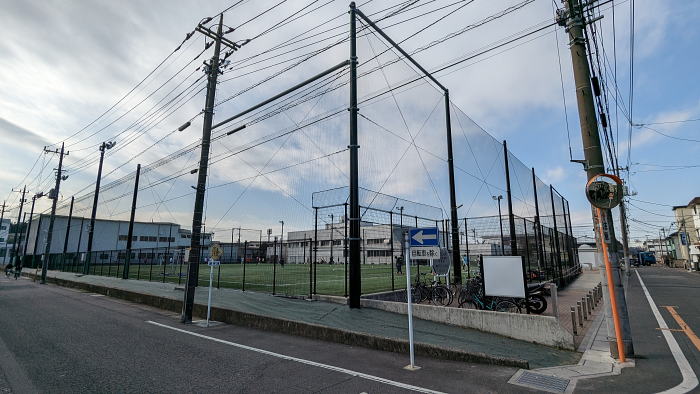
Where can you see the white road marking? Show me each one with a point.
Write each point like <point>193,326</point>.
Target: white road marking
<point>690,380</point>
<point>303,361</point>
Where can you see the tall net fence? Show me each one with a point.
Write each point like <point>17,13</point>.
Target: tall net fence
<point>277,184</point>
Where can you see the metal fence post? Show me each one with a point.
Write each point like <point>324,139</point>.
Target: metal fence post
<point>315,248</point>
<point>244,262</point>
<point>466,244</point>
<point>345,252</point>
<point>311,271</point>
<point>527,249</point>
<point>391,248</point>
<point>274,267</point>
<point>556,237</point>
<point>511,217</point>
<point>127,261</point>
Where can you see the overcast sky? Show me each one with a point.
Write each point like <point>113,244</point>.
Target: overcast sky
<point>64,63</point>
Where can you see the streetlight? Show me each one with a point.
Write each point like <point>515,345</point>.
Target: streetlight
<point>500,220</point>
<point>103,147</point>
<point>331,216</point>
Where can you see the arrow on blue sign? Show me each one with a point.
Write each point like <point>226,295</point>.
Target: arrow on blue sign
<point>427,236</point>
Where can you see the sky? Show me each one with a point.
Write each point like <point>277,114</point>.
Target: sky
<point>64,63</point>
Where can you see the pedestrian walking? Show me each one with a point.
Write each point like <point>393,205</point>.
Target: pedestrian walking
<point>399,263</point>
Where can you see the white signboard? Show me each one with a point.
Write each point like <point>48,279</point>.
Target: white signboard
<point>503,276</point>
<point>425,252</point>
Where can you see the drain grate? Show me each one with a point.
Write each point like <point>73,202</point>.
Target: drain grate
<point>543,382</point>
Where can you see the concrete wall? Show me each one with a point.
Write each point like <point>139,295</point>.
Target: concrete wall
<point>544,330</point>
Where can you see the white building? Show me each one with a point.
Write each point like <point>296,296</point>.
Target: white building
<point>108,235</point>
<point>4,246</point>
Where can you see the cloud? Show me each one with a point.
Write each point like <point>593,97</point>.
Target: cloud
<point>20,137</point>
<point>554,175</point>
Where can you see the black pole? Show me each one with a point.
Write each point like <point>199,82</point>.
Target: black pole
<point>29,228</point>
<point>391,247</point>
<point>345,251</point>
<point>466,243</point>
<point>527,247</point>
<point>331,258</point>
<point>96,196</point>
<point>246,247</point>
<point>556,236</point>
<point>511,217</point>
<point>36,238</point>
<point>315,245</point>
<point>130,232</point>
<point>355,277</point>
<point>274,267</point>
<point>311,270</point>
<point>80,241</point>
<point>65,240</point>
<point>539,237</point>
<point>195,245</point>
<point>456,265</point>
<point>500,225</point>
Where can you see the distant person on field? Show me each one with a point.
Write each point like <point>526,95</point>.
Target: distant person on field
<point>399,263</point>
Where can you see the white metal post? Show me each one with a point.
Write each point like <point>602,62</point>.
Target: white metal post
<point>409,306</point>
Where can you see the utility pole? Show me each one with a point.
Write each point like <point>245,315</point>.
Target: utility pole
<point>2,217</point>
<point>54,196</point>
<point>91,231</point>
<point>29,225</point>
<point>15,245</point>
<point>574,21</point>
<point>212,70</point>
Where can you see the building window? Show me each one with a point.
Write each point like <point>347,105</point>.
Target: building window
<point>375,241</point>
<point>325,243</point>
<point>337,242</point>
<point>104,256</point>
<point>3,227</point>
<point>2,239</point>
<point>378,253</point>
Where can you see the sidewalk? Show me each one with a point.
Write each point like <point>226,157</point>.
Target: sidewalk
<point>568,297</point>
<point>595,362</point>
<point>332,322</point>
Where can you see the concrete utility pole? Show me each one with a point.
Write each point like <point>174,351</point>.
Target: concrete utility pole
<point>574,21</point>
<point>195,245</point>
<point>15,245</point>
<point>53,196</point>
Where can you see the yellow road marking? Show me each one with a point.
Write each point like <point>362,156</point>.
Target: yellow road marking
<point>684,326</point>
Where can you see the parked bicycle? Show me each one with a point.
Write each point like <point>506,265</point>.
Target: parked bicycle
<point>436,292</point>
<point>471,296</point>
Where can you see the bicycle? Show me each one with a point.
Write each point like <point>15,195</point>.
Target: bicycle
<point>471,296</point>
<point>436,292</point>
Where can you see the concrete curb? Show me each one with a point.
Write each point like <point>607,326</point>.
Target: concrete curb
<point>296,328</point>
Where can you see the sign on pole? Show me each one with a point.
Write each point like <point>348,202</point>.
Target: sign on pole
<point>425,236</point>
<point>216,251</point>
<point>503,276</point>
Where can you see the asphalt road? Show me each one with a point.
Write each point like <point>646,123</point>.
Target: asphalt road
<point>656,370</point>
<point>54,339</point>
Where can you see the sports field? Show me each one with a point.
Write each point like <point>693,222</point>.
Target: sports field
<point>290,279</point>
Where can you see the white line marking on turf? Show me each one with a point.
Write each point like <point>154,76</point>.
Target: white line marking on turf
<point>303,361</point>
<point>690,380</point>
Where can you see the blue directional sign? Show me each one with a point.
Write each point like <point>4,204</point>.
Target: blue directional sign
<point>425,236</point>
